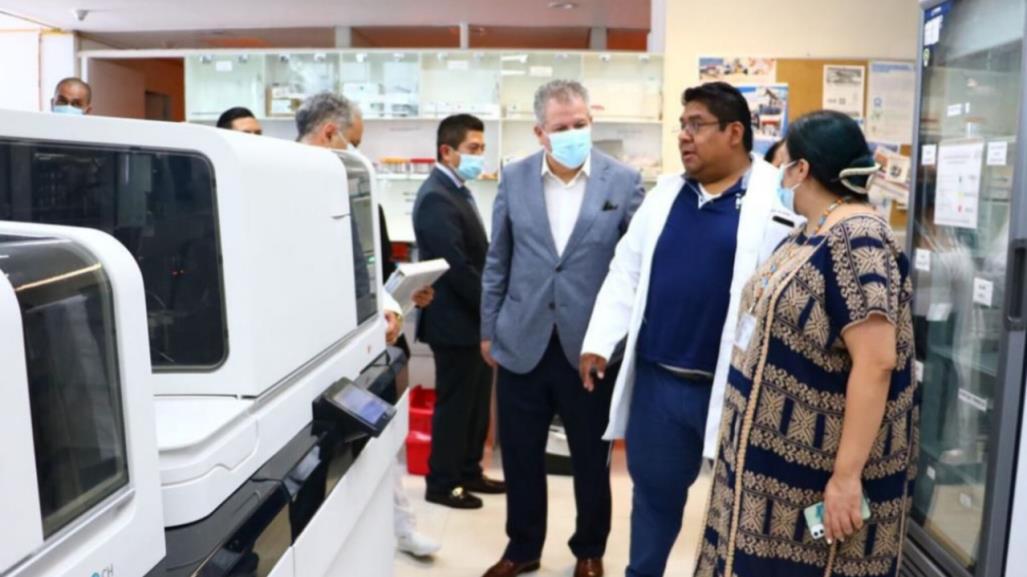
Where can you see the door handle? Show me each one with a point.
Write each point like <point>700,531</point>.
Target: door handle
<point>1016,286</point>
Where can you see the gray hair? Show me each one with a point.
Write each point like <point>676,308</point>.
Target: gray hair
<point>561,90</point>
<point>322,108</point>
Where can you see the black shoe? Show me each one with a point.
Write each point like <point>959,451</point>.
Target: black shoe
<point>485,486</point>
<point>458,498</point>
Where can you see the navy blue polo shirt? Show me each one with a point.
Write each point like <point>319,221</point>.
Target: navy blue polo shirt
<point>690,280</point>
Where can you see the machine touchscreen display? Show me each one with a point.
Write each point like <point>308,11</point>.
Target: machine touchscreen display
<point>363,405</point>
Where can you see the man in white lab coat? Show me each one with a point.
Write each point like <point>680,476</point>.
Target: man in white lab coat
<point>673,290</point>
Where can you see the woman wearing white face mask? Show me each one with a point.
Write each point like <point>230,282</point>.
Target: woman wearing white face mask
<point>821,407</point>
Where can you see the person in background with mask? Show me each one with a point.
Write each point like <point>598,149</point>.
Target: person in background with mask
<point>821,405</point>
<point>556,222</point>
<point>673,290</point>
<point>240,119</point>
<point>333,121</point>
<point>447,225</point>
<point>775,154</point>
<point>72,96</point>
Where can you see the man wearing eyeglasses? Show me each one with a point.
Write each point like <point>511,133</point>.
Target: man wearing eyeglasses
<point>673,290</point>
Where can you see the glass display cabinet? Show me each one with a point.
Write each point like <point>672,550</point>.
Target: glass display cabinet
<point>404,93</point>
<point>455,82</point>
<point>215,83</point>
<point>523,73</point>
<point>385,85</point>
<point>292,78</point>
<point>624,86</point>
<point>967,242</point>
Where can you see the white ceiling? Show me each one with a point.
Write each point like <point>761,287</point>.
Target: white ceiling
<point>154,15</point>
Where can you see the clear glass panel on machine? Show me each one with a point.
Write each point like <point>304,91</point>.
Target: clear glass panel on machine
<point>970,108</point>
<point>363,213</point>
<point>74,388</point>
<point>160,205</point>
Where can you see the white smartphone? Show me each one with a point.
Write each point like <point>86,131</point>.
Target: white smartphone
<point>815,517</point>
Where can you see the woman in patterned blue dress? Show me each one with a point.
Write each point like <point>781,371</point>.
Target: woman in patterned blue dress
<point>821,406</point>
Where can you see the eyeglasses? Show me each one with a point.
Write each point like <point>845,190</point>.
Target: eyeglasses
<point>694,126</point>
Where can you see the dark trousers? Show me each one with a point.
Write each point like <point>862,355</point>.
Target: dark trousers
<point>526,405</point>
<point>666,428</point>
<point>463,393</point>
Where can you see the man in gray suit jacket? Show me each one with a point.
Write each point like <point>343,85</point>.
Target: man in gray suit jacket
<point>556,223</point>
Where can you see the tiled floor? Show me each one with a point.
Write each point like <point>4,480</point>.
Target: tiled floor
<point>474,540</point>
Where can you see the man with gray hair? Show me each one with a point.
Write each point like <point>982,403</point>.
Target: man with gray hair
<point>555,225</point>
<point>325,119</point>
<point>332,121</point>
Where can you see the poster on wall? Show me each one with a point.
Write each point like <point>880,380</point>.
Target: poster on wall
<point>843,89</point>
<point>738,70</point>
<point>769,108</point>
<point>959,184</point>
<point>891,87</point>
<point>891,184</point>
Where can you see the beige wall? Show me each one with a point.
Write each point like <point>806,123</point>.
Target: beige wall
<point>862,29</point>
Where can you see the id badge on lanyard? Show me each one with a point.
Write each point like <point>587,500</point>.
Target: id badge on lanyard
<point>745,331</point>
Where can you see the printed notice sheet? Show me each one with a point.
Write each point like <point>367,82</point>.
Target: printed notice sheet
<point>891,102</point>
<point>959,184</point>
<point>843,89</point>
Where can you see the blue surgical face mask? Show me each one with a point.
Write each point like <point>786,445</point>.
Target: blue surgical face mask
<point>786,193</point>
<point>68,109</point>
<point>471,166</point>
<point>571,147</point>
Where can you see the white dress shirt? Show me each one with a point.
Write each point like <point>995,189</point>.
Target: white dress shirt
<point>459,182</point>
<point>563,201</point>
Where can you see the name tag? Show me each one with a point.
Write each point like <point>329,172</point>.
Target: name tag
<point>746,329</point>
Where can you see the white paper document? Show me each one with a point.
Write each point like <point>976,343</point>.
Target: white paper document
<point>959,184</point>
<point>932,31</point>
<point>923,260</point>
<point>929,155</point>
<point>984,291</point>
<point>998,153</point>
<point>411,277</point>
<point>975,401</point>
<point>939,312</point>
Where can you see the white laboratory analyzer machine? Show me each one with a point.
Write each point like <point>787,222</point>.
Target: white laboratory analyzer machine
<point>193,371</point>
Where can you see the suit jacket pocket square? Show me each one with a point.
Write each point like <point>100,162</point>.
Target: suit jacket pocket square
<point>608,207</point>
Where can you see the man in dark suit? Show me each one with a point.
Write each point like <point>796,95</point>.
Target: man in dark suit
<point>447,225</point>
